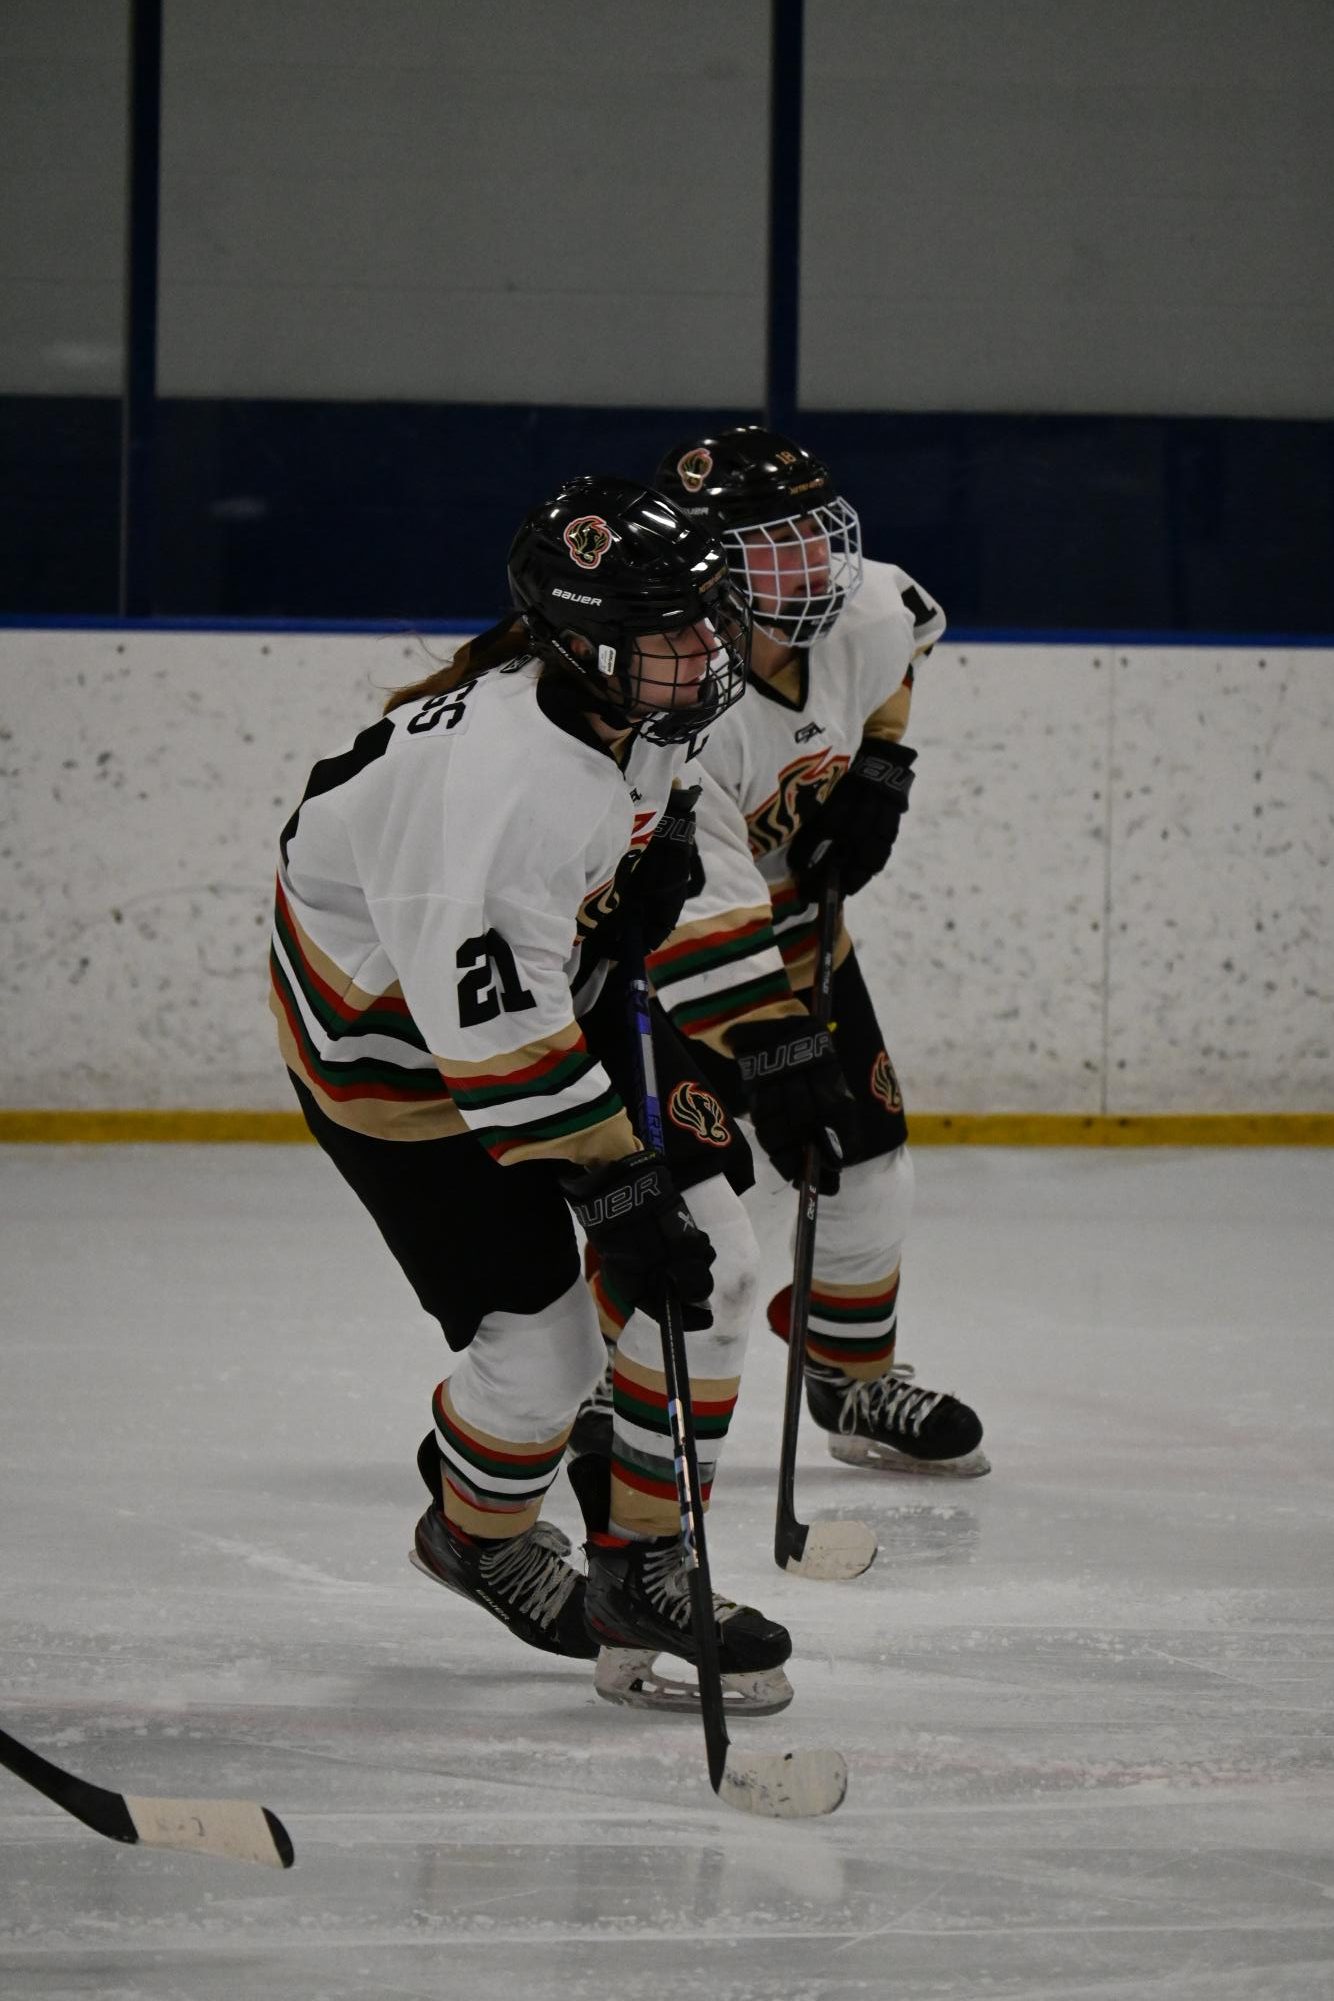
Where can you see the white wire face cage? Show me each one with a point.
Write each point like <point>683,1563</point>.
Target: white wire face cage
<point>798,573</point>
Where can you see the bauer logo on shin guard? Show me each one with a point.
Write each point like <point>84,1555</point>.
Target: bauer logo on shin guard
<point>697,1111</point>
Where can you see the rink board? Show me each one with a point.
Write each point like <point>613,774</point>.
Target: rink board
<point>1110,899</point>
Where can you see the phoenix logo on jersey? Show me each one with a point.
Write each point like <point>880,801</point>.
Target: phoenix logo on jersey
<point>697,1111</point>
<point>694,468</point>
<point>885,1085</point>
<point>588,540</point>
<point>801,787</point>
<point>603,901</point>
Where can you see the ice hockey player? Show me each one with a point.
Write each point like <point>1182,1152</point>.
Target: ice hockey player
<point>450,901</point>
<point>812,761</point>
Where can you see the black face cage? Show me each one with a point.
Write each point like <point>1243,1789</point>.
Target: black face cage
<point>677,690</point>
<point>661,685</point>
<point>798,572</point>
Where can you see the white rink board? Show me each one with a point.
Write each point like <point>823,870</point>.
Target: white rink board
<point>1112,893</point>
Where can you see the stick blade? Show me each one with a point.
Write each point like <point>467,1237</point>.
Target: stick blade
<point>237,1829</point>
<point>835,1550</point>
<point>791,1785</point>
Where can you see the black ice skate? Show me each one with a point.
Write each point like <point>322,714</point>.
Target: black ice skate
<point>893,1424</point>
<point>524,1581</point>
<point>638,1605</point>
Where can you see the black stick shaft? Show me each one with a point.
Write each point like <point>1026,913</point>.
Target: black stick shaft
<point>105,1812</point>
<point>676,1368</point>
<point>790,1533</point>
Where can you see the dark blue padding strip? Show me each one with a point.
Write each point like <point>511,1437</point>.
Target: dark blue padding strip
<point>963,635</point>
<point>365,512</point>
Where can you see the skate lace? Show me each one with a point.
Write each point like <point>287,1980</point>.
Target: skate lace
<point>531,1572</point>
<point>667,1587</point>
<point>890,1403</point>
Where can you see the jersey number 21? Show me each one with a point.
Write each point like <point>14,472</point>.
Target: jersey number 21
<point>490,980</point>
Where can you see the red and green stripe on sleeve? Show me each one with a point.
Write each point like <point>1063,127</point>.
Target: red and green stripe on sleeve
<point>719,970</point>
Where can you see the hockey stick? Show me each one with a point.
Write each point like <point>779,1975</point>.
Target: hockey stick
<point>235,1828</point>
<point>784,1785</point>
<point>823,1550</point>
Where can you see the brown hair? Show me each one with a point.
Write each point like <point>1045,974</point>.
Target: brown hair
<point>492,648</point>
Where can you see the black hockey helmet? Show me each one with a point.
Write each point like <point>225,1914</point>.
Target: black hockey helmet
<point>763,492</point>
<point>609,562</point>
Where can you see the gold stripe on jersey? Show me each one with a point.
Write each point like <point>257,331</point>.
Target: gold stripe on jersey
<point>589,1128</point>
<point>377,1118</point>
<point>797,929</point>
<point>401,1106</point>
<point>718,970</point>
<point>511,1067</point>
<point>334,984</point>
<point>613,1138</point>
<point>890,720</point>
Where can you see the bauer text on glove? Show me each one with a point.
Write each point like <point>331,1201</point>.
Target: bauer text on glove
<point>855,828</point>
<point>644,1236</point>
<point>796,1095</point>
<point>653,888</point>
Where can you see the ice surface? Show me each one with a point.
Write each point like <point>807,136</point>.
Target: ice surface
<point>1086,1701</point>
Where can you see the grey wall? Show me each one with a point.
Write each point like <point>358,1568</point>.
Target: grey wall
<point>500,200</point>
<point>1083,205</point>
<point>1070,205</point>
<point>62,195</point>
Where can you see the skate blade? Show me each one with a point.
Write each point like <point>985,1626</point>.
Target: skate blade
<point>850,1451</point>
<point>835,1551</point>
<point>628,1675</point>
<point>435,1577</point>
<point>795,1785</point>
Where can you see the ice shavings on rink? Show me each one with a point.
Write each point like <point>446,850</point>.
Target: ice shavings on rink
<point>1086,1702</point>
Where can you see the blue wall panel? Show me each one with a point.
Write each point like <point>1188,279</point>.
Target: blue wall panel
<point>394,510</point>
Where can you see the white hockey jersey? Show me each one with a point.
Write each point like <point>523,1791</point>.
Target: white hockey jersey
<point>435,887</point>
<point>749,940</point>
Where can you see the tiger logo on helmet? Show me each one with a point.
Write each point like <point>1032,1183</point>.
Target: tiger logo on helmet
<point>697,1111</point>
<point>588,539</point>
<point>885,1085</point>
<point>694,468</point>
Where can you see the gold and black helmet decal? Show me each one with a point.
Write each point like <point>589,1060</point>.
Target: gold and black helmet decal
<point>694,467</point>
<point>588,539</point>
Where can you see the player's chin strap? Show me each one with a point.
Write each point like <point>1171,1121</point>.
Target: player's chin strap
<point>785,1785</point>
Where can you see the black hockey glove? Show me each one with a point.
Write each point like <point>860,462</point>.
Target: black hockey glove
<point>652,892</point>
<point>644,1235</point>
<point>854,829</point>
<point>796,1095</point>
<point>667,874</point>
